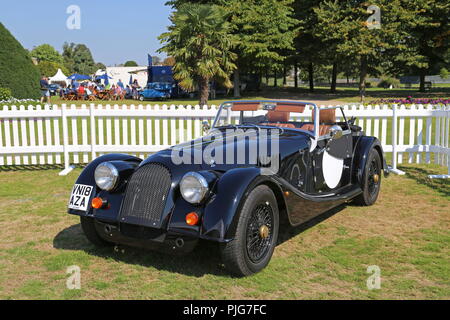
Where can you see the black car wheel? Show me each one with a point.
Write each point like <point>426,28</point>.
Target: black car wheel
<point>88,227</point>
<point>255,234</point>
<point>371,180</point>
<point>141,98</point>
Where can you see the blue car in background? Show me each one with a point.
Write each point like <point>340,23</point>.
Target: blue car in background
<point>156,90</point>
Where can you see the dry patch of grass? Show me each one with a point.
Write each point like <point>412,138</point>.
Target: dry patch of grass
<point>406,234</point>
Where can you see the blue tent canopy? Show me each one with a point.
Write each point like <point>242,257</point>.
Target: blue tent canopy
<point>103,77</point>
<point>77,76</point>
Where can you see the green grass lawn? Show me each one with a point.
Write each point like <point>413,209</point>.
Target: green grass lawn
<point>406,233</point>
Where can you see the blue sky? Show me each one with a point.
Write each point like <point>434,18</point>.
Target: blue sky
<point>115,31</point>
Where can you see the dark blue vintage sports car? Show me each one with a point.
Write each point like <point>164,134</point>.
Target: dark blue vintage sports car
<point>255,167</point>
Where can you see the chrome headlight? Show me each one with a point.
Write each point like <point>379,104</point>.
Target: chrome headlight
<point>106,176</point>
<point>193,187</point>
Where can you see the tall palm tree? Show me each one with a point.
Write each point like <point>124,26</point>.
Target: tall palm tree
<point>200,41</point>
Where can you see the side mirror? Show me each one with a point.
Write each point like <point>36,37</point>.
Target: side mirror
<point>336,132</point>
<point>206,127</point>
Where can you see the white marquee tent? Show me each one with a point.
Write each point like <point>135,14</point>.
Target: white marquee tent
<point>59,77</point>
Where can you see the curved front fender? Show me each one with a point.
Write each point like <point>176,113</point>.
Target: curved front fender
<point>87,176</point>
<point>220,214</point>
<point>363,147</point>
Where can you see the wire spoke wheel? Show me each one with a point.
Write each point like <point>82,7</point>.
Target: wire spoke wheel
<point>371,180</point>
<point>259,232</point>
<point>373,177</point>
<point>255,233</point>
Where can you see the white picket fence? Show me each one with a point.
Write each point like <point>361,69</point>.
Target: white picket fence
<point>41,135</point>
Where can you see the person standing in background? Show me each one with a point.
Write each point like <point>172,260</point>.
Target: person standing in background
<point>81,92</point>
<point>45,92</point>
<point>75,85</point>
<point>120,84</point>
<point>135,87</point>
<point>128,93</point>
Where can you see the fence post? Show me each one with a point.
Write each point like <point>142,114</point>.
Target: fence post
<point>394,142</point>
<point>447,146</point>
<point>93,130</point>
<point>67,166</point>
<point>443,144</point>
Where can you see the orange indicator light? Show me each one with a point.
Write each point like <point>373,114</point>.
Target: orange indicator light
<point>192,218</point>
<point>97,203</point>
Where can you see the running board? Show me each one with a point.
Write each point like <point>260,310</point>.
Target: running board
<point>342,196</point>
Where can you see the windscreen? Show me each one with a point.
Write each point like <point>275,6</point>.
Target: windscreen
<point>257,113</point>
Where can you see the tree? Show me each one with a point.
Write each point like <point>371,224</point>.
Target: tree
<point>199,40</point>
<point>83,61</point>
<point>46,52</point>
<point>169,61</point>
<point>130,64</point>
<point>427,45</point>
<point>17,71</point>
<point>49,69</point>
<point>309,46</point>
<point>444,74</point>
<point>344,23</point>
<point>67,55</point>
<point>100,66</point>
<point>78,58</point>
<point>156,60</point>
<point>328,43</point>
<point>263,28</point>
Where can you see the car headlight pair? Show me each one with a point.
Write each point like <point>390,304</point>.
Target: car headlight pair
<point>106,176</point>
<point>194,187</point>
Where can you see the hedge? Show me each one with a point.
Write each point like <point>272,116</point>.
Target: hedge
<point>17,71</point>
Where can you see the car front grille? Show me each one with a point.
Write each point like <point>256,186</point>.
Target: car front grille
<point>146,195</point>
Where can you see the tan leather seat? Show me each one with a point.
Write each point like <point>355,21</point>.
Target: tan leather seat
<point>278,116</point>
<point>327,118</point>
<point>275,117</point>
<point>323,129</point>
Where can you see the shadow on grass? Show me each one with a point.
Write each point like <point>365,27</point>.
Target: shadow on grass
<point>287,232</point>
<point>34,167</point>
<point>420,175</point>
<point>205,259</point>
<point>37,167</point>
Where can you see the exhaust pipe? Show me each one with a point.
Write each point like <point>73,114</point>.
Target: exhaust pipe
<point>179,242</point>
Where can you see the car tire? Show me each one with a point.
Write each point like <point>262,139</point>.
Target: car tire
<point>88,227</point>
<point>141,98</point>
<point>239,256</point>
<point>371,184</point>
